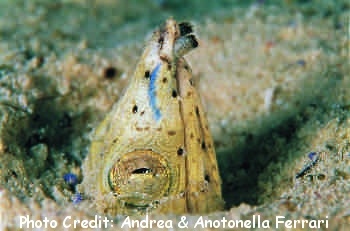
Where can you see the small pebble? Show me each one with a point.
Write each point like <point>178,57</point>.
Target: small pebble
<point>314,159</point>
<point>269,97</point>
<point>71,179</point>
<point>312,155</point>
<point>77,198</point>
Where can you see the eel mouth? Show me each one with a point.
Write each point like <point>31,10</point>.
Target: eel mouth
<point>140,178</point>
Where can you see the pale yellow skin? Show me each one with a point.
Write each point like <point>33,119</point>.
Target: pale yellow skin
<point>143,162</point>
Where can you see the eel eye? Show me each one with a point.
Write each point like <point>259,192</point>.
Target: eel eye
<point>140,177</point>
<point>142,171</point>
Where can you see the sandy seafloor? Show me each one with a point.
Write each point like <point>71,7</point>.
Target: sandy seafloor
<point>273,76</point>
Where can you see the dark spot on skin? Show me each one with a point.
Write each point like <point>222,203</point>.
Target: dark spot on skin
<point>146,128</point>
<point>110,72</point>
<point>209,146</point>
<point>194,42</point>
<point>166,59</point>
<point>198,140</point>
<point>185,28</point>
<point>203,145</point>
<point>191,136</point>
<point>142,113</point>
<point>159,129</point>
<point>189,94</point>
<point>174,94</point>
<point>139,129</point>
<point>147,74</point>
<point>207,178</point>
<point>114,141</point>
<point>164,80</point>
<point>197,111</point>
<point>160,41</point>
<point>180,152</point>
<point>171,133</point>
<point>134,109</point>
<point>191,82</point>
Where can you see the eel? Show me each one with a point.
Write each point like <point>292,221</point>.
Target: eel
<point>153,152</point>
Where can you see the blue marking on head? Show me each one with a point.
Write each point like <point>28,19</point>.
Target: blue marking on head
<point>152,92</point>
